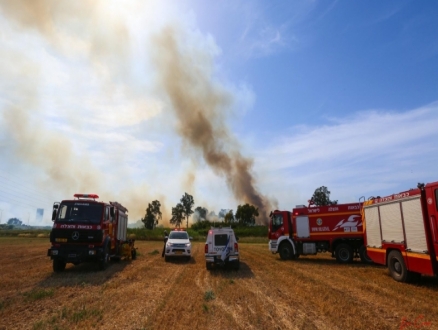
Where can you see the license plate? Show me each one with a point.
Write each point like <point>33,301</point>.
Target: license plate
<point>178,252</point>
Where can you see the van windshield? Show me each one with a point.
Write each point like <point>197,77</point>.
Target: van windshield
<point>82,211</point>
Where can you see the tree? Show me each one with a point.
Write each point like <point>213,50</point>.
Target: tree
<point>14,222</point>
<point>187,203</point>
<point>321,197</point>
<point>229,217</point>
<point>223,213</point>
<point>177,215</point>
<point>153,215</point>
<point>246,214</point>
<point>201,213</point>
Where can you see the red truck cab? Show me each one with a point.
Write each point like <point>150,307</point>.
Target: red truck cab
<point>310,230</point>
<point>86,229</point>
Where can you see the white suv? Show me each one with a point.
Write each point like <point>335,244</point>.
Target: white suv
<point>178,245</point>
<point>221,248</point>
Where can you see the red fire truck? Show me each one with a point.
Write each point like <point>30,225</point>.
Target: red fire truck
<point>402,232</point>
<point>308,230</point>
<point>85,229</point>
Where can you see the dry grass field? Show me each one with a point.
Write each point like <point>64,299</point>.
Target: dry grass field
<point>147,293</point>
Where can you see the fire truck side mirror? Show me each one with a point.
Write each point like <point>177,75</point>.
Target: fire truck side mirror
<point>112,211</point>
<point>53,214</point>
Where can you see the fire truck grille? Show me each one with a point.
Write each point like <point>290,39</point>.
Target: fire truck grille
<point>75,236</point>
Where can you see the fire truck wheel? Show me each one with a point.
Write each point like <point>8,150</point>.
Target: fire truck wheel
<point>397,267</point>
<point>364,256</point>
<point>344,253</point>
<point>285,251</point>
<point>103,263</point>
<point>58,265</point>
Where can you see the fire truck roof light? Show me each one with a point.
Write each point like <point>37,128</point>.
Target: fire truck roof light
<point>94,196</point>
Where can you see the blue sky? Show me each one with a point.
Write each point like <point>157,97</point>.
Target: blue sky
<point>311,93</point>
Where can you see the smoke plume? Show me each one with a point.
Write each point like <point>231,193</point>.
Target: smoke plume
<point>186,76</point>
<point>94,31</point>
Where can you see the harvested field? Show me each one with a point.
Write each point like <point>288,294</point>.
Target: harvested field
<point>148,293</point>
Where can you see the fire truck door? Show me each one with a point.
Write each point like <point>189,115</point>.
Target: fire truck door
<point>303,229</point>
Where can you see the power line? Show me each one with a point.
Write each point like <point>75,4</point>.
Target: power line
<point>16,186</point>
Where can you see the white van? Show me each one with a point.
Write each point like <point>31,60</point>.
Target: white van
<point>221,248</point>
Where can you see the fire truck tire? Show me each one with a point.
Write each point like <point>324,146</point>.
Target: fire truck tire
<point>344,253</point>
<point>134,254</point>
<point>285,250</point>
<point>58,265</point>
<point>397,268</point>
<point>364,256</point>
<point>103,263</point>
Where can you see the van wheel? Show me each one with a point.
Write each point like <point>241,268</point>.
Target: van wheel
<point>364,256</point>
<point>58,265</point>
<point>344,253</point>
<point>236,265</point>
<point>397,268</point>
<point>285,251</point>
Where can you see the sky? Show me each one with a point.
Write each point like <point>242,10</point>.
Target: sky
<point>234,102</point>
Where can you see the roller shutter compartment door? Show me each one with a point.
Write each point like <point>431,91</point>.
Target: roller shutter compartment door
<point>390,218</point>
<point>414,226</point>
<point>303,230</point>
<point>373,227</point>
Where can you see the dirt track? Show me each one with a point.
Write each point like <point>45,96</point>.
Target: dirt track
<point>148,293</point>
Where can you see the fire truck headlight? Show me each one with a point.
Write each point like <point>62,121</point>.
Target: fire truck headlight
<point>54,252</point>
<point>92,252</point>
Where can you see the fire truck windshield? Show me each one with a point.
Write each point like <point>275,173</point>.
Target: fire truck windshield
<point>277,221</point>
<point>80,211</point>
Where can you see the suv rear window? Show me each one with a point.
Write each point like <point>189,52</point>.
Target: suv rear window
<point>220,239</point>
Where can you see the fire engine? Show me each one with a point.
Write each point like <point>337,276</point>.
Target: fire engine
<point>85,229</point>
<point>308,230</point>
<point>401,232</point>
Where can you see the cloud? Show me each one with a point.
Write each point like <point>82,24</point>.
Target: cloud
<point>371,152</point>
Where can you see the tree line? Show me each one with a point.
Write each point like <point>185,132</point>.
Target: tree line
<point>245,215</point>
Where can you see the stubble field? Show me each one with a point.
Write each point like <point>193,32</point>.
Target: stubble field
<point>148,293</point>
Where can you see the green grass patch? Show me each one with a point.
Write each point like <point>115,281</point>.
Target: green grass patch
<point>154,252</point>
<point>39,294</point>
<point>252,234</point>
<point>84,313</point>
<point>205,308</point>
<point>209,295</point>
<point>38,325</point>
